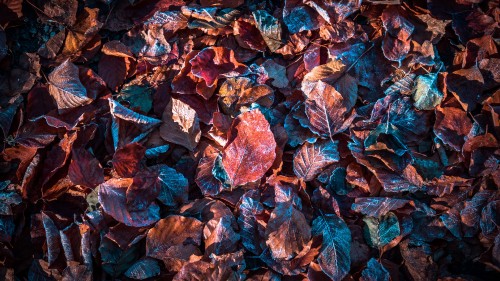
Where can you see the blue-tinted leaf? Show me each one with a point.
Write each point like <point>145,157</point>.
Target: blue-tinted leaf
<point>297,126</point>
<point>337,183</point>
<point>377,206</point>
<point>129,126</point>
<point>7,201</point>
<point>137,96</point>
<point>219,172</point>
<point>334,257</point>
<point>174,186</point>
<point>374,271</point>
<point>7,114</point>
<point>156,151</point>
<point>115,260</point>
<point>143,269</point>
<point>380,231</point>
<point>490,218</point>
<point>53,239</point>
<point>312,158</point>
<point>7,228</point>
<point>250,230</point>
<point>426,95</point>
<point>300,18</point>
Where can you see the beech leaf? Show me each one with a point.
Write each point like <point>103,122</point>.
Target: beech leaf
<point>181,124</point>
<point>311,158</point>
<point>334,257</point>
<point>287,231</point>
<point>250,150</point>
<point>66,88</point>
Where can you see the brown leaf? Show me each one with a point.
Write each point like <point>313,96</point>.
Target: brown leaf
<point>85,169</point>
<point>328,110</point>
<point>127,159</point>
<point>180,125</point>
<point>287,231</point>
<point>112,196</point>
<point>452,126</point>
<point>173,235</point>
<point>66,88</point>
<point>82,32</point>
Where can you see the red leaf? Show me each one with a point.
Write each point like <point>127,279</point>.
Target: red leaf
<point>213,63</point>
<point>250,150</point>
<point>127,159</point>
<point>85,169</point>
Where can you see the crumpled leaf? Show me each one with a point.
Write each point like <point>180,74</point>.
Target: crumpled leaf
<point>66,88</point>
<point>374,271</point>
<point>382,230</point>
<point>269,27</point>
<point>237,92</point>
<point>209,18</point>
<point>425,94</point>
<point>173,235</point>
<point>287,231</point>
<point>250,150</point>
<point>334,257</point>
<point>313,157</point>
<point>180,124</point>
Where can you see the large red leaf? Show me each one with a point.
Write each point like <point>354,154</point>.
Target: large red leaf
<point>250,150</point>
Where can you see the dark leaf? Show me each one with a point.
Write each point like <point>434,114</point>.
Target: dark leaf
<point>334,258</point>
<point>382,230</point>
<point>287,231</point>
<point>113,199</point>
<point>172,236</point>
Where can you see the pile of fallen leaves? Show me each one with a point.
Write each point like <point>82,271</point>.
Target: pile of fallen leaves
<point>249,140</point>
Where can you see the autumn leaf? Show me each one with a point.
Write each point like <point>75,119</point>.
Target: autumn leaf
<point>314,157</point>
<point>180,124</point>
<point>250,150</point>
<point>66,88</point>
